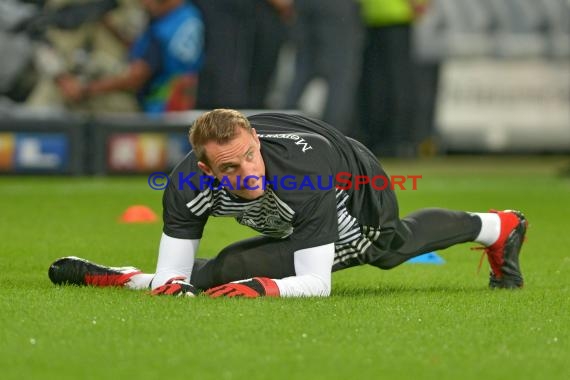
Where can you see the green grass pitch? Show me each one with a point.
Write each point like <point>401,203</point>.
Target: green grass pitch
<point>415,321</point>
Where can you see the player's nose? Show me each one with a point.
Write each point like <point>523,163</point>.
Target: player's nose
<point>251,169</point>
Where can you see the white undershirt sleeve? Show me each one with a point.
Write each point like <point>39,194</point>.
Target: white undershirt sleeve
<point>312,278</point>
<point>175,259</point>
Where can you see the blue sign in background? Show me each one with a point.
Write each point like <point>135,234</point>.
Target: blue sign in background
<point>41,152</point>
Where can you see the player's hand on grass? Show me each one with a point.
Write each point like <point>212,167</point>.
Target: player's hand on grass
<point>176,287</point>
<point>251,288</point>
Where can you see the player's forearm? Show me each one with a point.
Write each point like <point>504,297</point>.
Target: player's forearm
<point>304,286</point>
<point>106,85</point>
<point>175,259</point>
<point>313,273</point>
<point>312,278</point>
<point>132,80</point>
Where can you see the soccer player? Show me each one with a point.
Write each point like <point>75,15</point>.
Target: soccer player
<point>274,173</point>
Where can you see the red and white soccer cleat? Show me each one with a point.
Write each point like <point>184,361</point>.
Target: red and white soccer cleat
<point>503,255</point>
<point>76,271</point>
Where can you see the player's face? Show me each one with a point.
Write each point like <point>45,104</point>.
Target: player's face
<point>238,162</point>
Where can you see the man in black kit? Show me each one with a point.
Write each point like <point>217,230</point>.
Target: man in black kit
<point>274,172</point>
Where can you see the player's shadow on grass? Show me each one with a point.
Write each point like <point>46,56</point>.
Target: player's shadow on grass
<point>384,291</point>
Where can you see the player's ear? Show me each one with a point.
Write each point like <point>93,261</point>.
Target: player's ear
<point>255,137</point>
<point>205,168</point>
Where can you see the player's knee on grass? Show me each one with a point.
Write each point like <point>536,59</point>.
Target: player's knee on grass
<point>226,267</point>
<point>255,257</point>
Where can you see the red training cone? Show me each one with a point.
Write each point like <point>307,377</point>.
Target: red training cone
<point>138,214</point>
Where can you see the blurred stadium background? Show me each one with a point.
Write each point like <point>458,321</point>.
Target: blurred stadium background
<point>504,87</point>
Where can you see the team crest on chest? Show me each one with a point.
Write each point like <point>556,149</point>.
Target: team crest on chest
<point>270,216</point>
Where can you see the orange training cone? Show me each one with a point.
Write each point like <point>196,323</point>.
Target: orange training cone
<point>138,214</point>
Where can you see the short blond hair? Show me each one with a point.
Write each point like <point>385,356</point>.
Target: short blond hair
<point>219,125</point>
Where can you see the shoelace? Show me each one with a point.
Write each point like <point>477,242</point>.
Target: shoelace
<point>495,266</point>
<point>487,251</point>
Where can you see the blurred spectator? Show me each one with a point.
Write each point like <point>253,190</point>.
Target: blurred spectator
<point>17,71</point>
<point>327,35</point>
<point>163,62</point>
<point>427,80</point>
<point>243,39</point>
<point>84,40</point>
<point>387,93</point>
<point>230,28</point>
<point>271,30</point>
